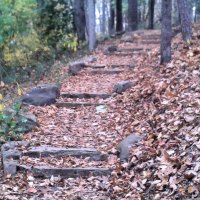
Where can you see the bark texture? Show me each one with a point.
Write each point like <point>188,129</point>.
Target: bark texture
<point>112,17</point>
<point>90,23</point>
<point>186,21</point>
<point>151,14</point>
<point>119,16</point>
<point>79,19</point>
<point>166,31</point>
<point>132,15</point>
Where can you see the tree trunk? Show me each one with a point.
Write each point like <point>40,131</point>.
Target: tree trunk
<point>151,14</point>
<point>90,23</point>
<point>132,15</point>
<point>112,17</point>
<point>103,16</point>
<point>119,16</point>
<point>79,19</point>
<point>186,23</point>
<point>166,31</point>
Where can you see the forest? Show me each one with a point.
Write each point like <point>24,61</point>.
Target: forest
<point>99,99</point>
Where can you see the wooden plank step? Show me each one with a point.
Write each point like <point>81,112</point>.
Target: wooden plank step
<point>47,171</point>
<point>108,72</point>
<point>85,95</point>
<point>76,104</point>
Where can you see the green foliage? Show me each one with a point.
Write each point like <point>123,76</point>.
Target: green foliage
<point>9,120</point>
<point>32,33</point>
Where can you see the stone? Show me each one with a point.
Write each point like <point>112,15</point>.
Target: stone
<point>46,171</point>
<point>90,59</point>
<point>126,38</point>
<point>76,67</point>
<point>25,121</point>
<point>125,144</point>
<point>10,154</point>
<point>10,167</point>
<point>110,49</point>
<point>42,95</point>
<point>45,151</point>
<point>122,86</point>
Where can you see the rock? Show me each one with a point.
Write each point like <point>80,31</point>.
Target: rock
<point>90,59</point>
<point>125,144</point>
<point>127,38</point>
<point>122,86</point>
<point>42,95</point>
<point>110,49</point>
<point>10,167</point>
<point>76,67</point>
<point>27,121</point>
<point>10,154</point>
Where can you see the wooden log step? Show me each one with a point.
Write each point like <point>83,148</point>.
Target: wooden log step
<point>46,151</point>
<point>76,104</point>
<point>46,171</point>
<point>85,95</point>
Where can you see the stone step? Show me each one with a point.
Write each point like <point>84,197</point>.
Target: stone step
<point>76,104</point>
<point>85,95</point>
<point>122,54</point>
<point>107,72</point>
<point>133,49</point>
<point>150,42</point>
<point>46,171</point>
<point>96,66</point>
<point>45,151</point>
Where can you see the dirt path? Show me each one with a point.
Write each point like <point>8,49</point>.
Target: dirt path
<point>83,126</point>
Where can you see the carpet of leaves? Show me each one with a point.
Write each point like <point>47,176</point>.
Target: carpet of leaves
<point>163,106</point>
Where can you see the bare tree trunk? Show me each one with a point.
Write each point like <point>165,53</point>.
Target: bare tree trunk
<point>119,25</point>
<point>151,14</point>
<point>90,23</point>
<point>166,31</point>
<point>79,19</point>
<point>132,15</point>
<point>103,16</point>
<point>112,18</point>
<point>186,22</point>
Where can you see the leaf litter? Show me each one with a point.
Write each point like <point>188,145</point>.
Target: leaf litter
<point>164,106</point>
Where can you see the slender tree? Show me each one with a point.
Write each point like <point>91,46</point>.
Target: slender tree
<point>119,16</point>
<point>186,21</point>
<point>79,19</point>
<point>103,28</point>
<point>112,17</point>
<point>90,23</point>
<point>151,14</point>
<point>132,15</point>
<point>166,31</point>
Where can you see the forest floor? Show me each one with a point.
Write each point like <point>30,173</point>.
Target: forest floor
<point>163,105</point>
